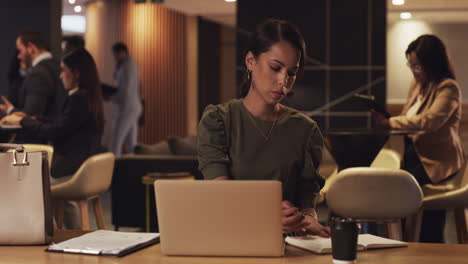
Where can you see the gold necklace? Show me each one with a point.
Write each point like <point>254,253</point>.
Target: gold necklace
<point>258,129</point>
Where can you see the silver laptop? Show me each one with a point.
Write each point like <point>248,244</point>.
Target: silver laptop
<point>220,218</point>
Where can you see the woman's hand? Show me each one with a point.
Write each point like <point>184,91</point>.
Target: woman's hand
<point>303,223</point>
<point>292,219</point>
<point>13,119</point>
<point>311,226</point>
<point>6,105</point>
<point>379,119</point>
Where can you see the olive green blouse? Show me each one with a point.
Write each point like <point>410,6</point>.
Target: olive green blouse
<point>230,144</point>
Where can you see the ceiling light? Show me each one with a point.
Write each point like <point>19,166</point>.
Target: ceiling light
<point>405,15</point>
<point>398,2</point>
<point>71,2</point>
<point>229,1</point>
<point>77,9</point>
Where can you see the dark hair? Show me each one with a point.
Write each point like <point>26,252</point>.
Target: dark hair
<point>80,60</point>
<point>119,46</point>
<point>73,42</point>
<point>432,55</point>
<point>268,33</point>
<point>34,37</point>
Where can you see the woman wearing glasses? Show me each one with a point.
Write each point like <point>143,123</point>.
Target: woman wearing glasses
<point>434,105</point>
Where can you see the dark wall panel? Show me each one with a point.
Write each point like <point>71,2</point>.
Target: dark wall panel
<point>348,32</point>
<point>209,38</point>
<point>343,82</point>
<point>309,16</point>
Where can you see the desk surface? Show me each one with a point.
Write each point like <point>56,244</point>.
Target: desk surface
<point>371,131</point>
<point>416,253</point>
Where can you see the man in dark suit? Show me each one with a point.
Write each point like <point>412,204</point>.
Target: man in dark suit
<point>42,93</point>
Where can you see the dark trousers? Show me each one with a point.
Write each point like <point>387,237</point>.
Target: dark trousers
<point>433,222</point>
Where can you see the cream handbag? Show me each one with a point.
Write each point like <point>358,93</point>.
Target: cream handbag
<point>25,205</point>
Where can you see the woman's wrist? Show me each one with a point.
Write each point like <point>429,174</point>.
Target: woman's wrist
<point>309,212</point>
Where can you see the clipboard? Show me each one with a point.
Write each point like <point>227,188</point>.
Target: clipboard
<point>106,243</point>
<point>369,101</point>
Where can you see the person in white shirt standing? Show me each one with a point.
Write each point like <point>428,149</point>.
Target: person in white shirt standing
<point>126,101</point>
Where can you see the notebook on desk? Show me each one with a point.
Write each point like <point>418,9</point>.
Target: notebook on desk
<point>107,243</point>
<point>220,218</point>
<point>321,245</point>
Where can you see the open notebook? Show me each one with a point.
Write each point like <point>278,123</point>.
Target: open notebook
<point>321,245</point>
<point>104,242</point>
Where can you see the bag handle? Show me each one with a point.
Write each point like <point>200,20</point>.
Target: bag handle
<point>7,146</point>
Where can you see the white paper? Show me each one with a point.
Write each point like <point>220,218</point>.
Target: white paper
<point>104,241</point>
<point>321,245</point>
<point>315,244</point>
<point>371,241</point>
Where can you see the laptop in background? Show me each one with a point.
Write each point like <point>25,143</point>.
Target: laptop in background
<point>220,218</point>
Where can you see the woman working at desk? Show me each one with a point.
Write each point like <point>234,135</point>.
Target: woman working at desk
<point>433,106</point>
<point>76,136</point>
<point>257,138</point>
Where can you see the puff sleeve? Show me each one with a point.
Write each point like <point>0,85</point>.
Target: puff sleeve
<point>213,149</point>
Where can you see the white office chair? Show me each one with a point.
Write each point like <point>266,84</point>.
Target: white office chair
<point>450,195</point>
<point>93,178</point>
<point>374,194</point>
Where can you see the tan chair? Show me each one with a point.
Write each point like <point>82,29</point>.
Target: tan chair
<point>374,194</point>
<point>328,169</point>
<point>40,147</point>
<point>387,158</point>
<point>92,178</point>
<point>391,155</point>
<point>328,166</point>
<point>450,195</point>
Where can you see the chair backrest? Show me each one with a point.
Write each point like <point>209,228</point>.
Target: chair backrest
<point>328,165</point>
<point>387,158</point>
<point>93,177</point>
<point>40,147</point>
<point>460,180</point>
<point>374,194</point>
<point>450,194</point>
<point>464,175</point>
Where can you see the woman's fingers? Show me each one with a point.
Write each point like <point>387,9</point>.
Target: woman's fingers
<point>315,228</point>
<point>291,220</point>
<point>325,232</point>
<point>289,211</point>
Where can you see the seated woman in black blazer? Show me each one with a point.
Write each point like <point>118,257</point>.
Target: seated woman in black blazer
<point>77,134</point>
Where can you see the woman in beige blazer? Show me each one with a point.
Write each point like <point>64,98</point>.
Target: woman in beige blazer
<point>434,106</point>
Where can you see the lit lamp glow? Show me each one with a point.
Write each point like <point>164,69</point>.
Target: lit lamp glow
<point>398,2</point>
<point>77,9</point>
<point>405,15</point>
<point>71,2</point>
<point>230,1</point>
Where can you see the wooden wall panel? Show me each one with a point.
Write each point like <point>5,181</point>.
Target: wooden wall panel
<point>156,38</point>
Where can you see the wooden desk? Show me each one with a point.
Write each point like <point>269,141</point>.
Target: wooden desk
<point>416,253</point>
